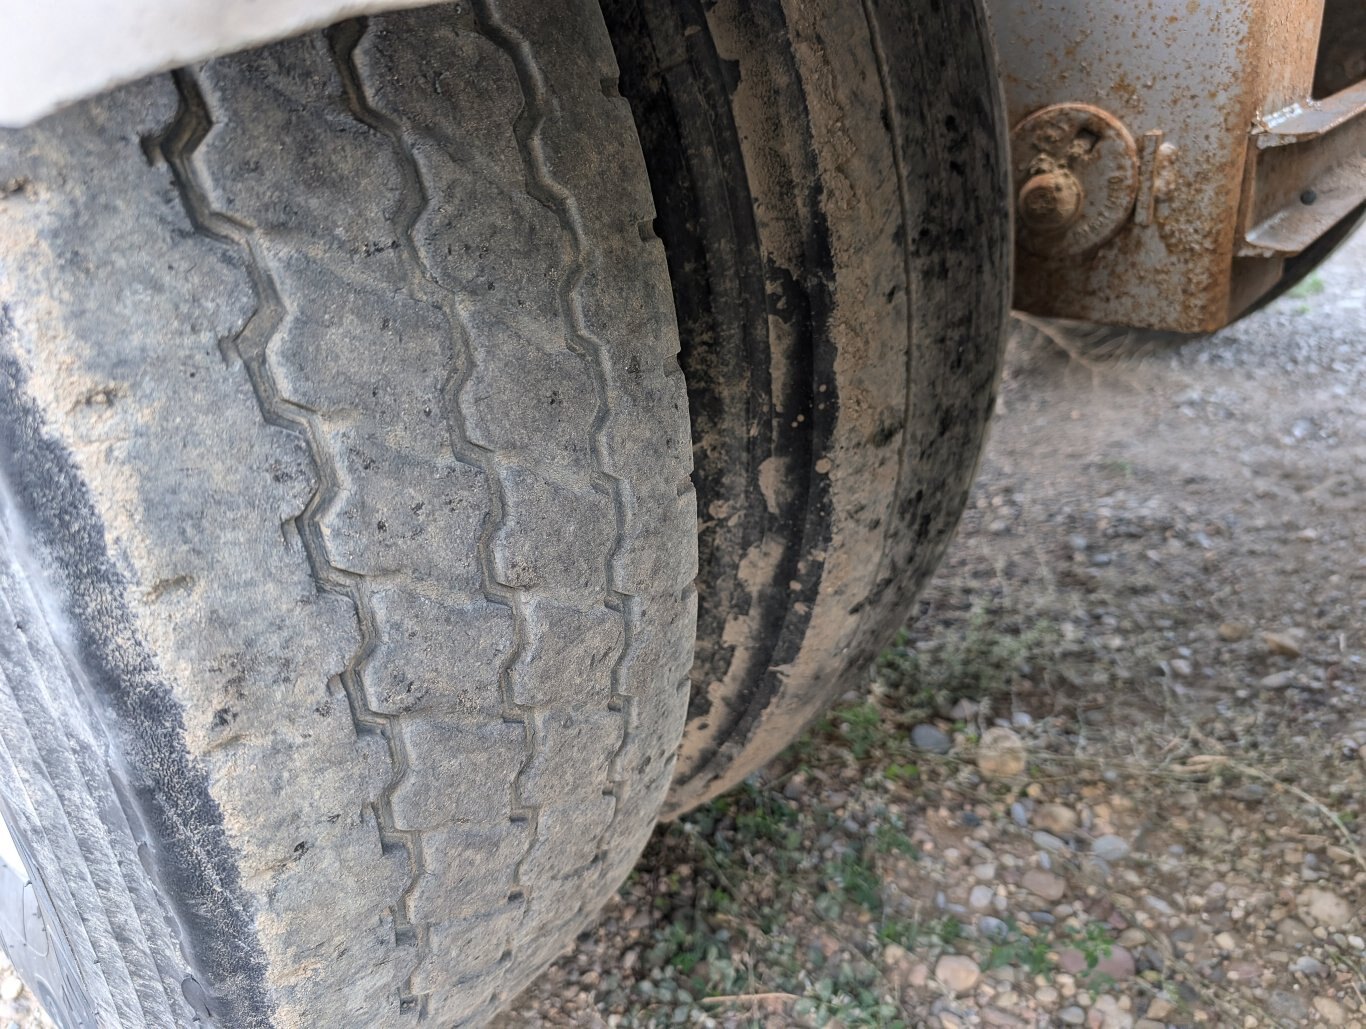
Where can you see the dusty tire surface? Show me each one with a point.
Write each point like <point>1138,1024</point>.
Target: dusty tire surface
<point>833,193</point>
<point>348,525</point>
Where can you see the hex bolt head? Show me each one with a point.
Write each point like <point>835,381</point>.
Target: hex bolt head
<point>1051,201</point>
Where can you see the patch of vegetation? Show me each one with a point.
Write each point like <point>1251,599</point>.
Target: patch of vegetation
<point>861,727</point>
<point>1015,948</point>
<point>985,658</point>
<point>762,904</point>
<point>1310,286</point>
<point>1095,941</point>
<point>854,881</point>
<point>891,838</point>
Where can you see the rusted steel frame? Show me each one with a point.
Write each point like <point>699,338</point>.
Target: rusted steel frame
<point>1306,173</point>
<point>1296,193</point>
<point>1188,81</point>
<point>1301,122</point>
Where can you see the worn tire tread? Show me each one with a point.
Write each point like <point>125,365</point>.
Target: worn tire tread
<point>500,622</point>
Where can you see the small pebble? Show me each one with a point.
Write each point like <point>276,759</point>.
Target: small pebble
<point>1326,907</point>
<point>993,928</point>
<point>1001,754</point>
<point>931,738</point>
<point>1282,643</point>
<point>1330,1010</point>
<point>1056,818</point>
<point>1308,966</point>
<point>1110,847</point>
<point>1047,841</point>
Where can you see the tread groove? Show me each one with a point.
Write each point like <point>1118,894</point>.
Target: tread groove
<point>250,345</point>
<point>343,40</point>
<point>895,134</point>
<point>543,186</point>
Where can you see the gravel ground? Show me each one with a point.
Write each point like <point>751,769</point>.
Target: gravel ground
<point>1112,775</point>
<point>18,1009</point>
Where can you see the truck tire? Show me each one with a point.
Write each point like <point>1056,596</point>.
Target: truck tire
<point>833,192</point>
<point>348,538</point>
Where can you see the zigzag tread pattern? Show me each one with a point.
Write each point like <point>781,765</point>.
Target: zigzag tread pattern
<point>181,148</point>
<point>486,385</point>
<point>551,374</point>
<point>412,550</point>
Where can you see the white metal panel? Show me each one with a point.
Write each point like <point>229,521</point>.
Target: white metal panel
<point>55,51</point>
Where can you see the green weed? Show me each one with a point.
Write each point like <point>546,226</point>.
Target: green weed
<point>1310,286</point>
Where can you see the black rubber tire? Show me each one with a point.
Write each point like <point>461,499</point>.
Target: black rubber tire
<point>833,192</point>
<point>347,579</point>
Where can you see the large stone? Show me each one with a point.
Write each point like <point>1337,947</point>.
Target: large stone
<point>1001,754</point>
<point>958,973</point>
<point>1044,884</point>
<point>1326,908</point>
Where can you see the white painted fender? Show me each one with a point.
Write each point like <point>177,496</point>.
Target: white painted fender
<point>55,51</point>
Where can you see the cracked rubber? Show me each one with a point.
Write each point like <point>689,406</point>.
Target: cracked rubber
<point>342,427</point>
<point>834,197</point>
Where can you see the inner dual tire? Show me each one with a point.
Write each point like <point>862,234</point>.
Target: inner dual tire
<point>832,189</point>
<point>348,535</point>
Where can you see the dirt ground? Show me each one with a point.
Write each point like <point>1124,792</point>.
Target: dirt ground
<point>1113,774</point>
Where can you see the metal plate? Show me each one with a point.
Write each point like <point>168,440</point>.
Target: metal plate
<point>1193,83</point>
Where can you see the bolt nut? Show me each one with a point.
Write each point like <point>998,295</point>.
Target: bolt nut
<point>1051,201</point>
<point>1075,169</point>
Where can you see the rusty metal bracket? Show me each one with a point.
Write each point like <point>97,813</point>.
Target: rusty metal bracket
<point>1240,160</point>
<point>1312,119</point>
<point>1306,173</point>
